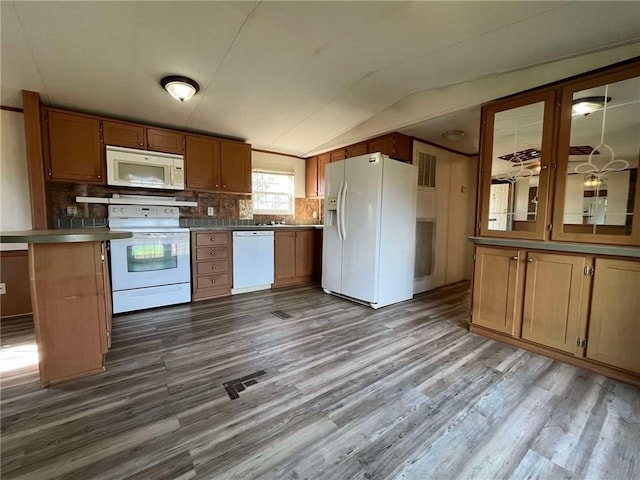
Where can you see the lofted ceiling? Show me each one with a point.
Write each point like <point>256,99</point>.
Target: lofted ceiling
<point>304,77</point>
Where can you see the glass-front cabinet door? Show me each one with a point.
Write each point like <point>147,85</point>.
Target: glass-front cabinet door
<point>515,160</point>
<point>597,187</point>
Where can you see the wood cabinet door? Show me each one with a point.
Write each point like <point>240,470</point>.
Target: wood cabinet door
<point>497,288</point>
<point>338,155</point>
<point>322,163</point>
<point>123,134</point>
<point>305,253</point>
<point>311,175</point>
<point>614,325</point>
<point>555,300</point>
<point>202,163</point>
<point>235,167</point>
<point>383,145</point>
<point>356,150</point>
<point>402,147</point>
<point>285,257</point>
<point>75,152</point>
<point>166,141</point>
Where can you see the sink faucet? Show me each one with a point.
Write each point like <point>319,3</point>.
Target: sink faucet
<point>282,220</point>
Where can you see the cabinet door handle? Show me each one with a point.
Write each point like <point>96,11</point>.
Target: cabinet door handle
<point>224,186</point>
<point>529,259</point>
<point>213,253</point>
<point>141,144</point>
<point>515,257</point>
<point>213,239</point>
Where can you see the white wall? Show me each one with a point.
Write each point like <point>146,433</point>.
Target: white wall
<point>282,163</point>
<point>15,202</point>
<point>452,205</point>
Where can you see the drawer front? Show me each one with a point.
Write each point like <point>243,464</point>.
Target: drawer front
<point>208,268</point>
<point>212,281</point>
<point>212,253</point>
<point>212,238</point>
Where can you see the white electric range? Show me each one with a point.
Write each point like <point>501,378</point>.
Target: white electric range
<point>153,267</point>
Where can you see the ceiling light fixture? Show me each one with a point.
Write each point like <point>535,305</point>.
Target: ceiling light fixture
<point>180,88</point>
<point>585,106</point>
<point>454,135</point>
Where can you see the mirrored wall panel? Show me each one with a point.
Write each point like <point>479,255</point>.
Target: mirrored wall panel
<point>602,170</point>
<point>515,168</point>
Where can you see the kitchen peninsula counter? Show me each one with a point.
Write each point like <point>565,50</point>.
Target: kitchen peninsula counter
<point>70,298</point>
<point>584,248</point>
<point>65,235</point>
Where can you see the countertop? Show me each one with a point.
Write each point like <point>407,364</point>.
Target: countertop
<point>62,235</point>
<point>622,251</point>
<point>237,228</point>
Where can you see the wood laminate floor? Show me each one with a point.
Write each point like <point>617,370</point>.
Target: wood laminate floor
<point>327,389</point>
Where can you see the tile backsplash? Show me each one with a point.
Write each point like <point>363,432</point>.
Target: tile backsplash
<point>226,207</point>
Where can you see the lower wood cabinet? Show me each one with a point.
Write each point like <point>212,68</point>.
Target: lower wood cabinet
<point>614,326</point>
<point>211,264</point>
<point>580,306</point>
<point>555,300</point>
<point>71,308</point>
<point>497,292</point>
<point>295,257</point>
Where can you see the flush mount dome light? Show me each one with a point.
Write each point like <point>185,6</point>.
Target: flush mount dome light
<point>180,88</point>
<point>585,106</point>
<point>454,135</point>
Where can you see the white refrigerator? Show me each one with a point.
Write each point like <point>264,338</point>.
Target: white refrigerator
<point>368,247</point>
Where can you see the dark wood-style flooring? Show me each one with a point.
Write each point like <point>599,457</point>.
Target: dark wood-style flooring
<point>347,393</point>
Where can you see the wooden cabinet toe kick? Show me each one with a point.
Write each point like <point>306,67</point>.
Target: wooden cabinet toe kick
<point>590,365</point>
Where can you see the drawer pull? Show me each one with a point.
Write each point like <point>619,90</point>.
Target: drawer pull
<point>514,257</point>
<point>213,253</point>
<point>213,239</point>
<point>213,267</point>
<point>213,281</point>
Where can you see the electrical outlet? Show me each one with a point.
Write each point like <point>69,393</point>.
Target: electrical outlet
<point>314,214</point>
<point>210,211</point>
<point>72,210</point>
<point>3,288</point>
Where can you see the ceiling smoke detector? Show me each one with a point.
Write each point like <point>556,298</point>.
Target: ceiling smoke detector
<point>180,88</point>
<point>454,135</point>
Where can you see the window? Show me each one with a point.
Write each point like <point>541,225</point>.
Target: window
<point>272,193</point>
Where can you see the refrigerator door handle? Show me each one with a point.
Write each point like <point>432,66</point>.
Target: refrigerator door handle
<point>343,203</point>
<point>339,212</point>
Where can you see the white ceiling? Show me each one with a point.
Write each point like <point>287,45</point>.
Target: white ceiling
<point>303,77</point>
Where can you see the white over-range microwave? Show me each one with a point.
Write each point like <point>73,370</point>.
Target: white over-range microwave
<point>127,167</point>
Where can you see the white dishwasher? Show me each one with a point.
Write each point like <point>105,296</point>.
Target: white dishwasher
<point>252,261</point>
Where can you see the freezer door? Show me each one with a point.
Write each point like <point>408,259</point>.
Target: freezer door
<point>361,201</point>
<point>331,238</point>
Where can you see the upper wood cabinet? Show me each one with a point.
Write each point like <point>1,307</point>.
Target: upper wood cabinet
<point>311,176</point>
<point>73,148</point>
<point>166,141</point>
<point>338,155</point>
<point>598,186</point>
<point>235,167</point>
<point>123,134</point>
<point>395,145</point>
<point>323,160</point>
<point>202,163</point>
<point>357,150</point>
<point>516,155</point>
<point>575,143</point>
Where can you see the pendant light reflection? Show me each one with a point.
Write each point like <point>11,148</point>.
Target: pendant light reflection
<point>591,181</point>
<point>180,88</point>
